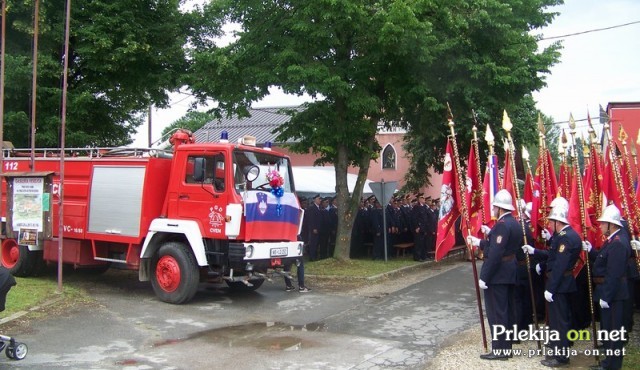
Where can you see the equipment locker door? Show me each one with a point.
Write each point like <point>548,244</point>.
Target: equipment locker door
<point>205,200</point>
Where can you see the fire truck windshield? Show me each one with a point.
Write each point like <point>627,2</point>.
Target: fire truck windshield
<point>266,163</point>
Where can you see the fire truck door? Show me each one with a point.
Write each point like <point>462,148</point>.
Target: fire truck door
<point>203,194</point>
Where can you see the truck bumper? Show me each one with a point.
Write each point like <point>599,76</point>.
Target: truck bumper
<point>261,255</point>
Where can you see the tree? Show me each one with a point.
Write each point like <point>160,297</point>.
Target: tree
<point>123,57</point>
<point>371,64</point>
<point>191,121</point>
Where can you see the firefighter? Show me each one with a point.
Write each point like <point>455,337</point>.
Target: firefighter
<point>561,259</point>
<point>498,273</point>
<point>610,279</point>
<point>314,215</point>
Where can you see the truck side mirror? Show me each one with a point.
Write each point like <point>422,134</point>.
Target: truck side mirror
<point>251,173</point>
<point>198,169</point>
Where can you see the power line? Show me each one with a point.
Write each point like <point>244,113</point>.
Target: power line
<point>589,31</point>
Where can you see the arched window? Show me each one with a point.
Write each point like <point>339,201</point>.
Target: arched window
<point>389,158</point>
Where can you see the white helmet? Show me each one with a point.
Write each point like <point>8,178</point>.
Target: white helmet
<point>528,208</point>
<point>559,202</point>
<point>611,214</point>
<point>503,200</point>
<point>559,214</point>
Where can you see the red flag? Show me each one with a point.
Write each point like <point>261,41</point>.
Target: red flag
<point>593,196</point>
<point>528,189</point>
<point>545,190</point>
<point>490,187</point>
<point>509,177</point>
<point>473,194</point>
<point>565,181</point>
<point>449,205</point>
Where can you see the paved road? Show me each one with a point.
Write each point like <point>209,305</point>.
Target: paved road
<point>127,328</point>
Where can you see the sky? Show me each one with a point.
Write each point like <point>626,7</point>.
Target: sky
<point>595,68</point>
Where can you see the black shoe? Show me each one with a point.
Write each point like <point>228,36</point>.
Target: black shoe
<point>596,367</point>
<point>289,289</point>
<point>492,356</point>
<point>304,289</point>
<point>552,362</point>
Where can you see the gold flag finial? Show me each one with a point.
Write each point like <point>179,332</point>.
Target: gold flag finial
<point>491,140</point>
<point>525,154</point>
<point>449,113</point>
<point>572,122</point>
<point>506,122</point>
<point>622,135</point>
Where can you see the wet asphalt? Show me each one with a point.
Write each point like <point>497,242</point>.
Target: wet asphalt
<point>128,328</point>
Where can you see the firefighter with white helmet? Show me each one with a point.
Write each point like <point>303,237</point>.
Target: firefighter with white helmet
<point>561,258</point>
<point>610,279</point>
<point>498,273</point>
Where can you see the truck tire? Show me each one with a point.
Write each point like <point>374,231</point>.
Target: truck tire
<point>239,286</point>
<point>19,259</point>
<point>175,274</point>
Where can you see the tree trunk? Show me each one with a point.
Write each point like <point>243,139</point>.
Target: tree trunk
<point>347,203</point>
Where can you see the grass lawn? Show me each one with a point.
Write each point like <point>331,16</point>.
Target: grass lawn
<point>34,291</point>
<point>355,267</point>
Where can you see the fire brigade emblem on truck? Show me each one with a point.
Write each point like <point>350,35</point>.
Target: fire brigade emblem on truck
<point>262,203</point>
<point>216,219</point>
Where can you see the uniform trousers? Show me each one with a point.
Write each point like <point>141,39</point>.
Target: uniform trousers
<point>498,301</point>
<point>560,321</point>
<point>611,319</point>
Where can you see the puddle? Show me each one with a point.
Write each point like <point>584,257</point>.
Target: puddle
<point>271,336</point>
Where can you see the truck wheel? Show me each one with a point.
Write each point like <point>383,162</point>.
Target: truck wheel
<point>19,260</point>
<point>239,286</point>
<point>175,275</point>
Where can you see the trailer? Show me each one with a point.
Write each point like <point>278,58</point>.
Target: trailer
<point>200,212</point>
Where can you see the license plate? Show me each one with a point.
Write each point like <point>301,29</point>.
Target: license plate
<point>277,252</point>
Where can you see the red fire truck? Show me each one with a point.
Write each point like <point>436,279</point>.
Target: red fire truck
<point>201,212</point>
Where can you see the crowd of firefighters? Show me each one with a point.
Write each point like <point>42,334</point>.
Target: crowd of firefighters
<point>560,297</point>
<point>411,220</point>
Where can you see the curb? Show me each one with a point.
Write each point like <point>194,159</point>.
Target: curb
<point>19,314</point>
<point>388,274</point>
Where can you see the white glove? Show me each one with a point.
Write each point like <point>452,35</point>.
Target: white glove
<point>604,304</point>
<point>482,284</point>
<point>472,240</point>
<point>528,249</point>
<point>635,245</point>
<point>538,269</point>
<point>548,296</point>
<point>545,234</point>
<point>586,246</point>
<point>485,229</point>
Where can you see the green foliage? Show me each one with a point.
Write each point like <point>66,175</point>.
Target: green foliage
<point>192,121</point>
<point>370,63</point>
<point>123,57</point>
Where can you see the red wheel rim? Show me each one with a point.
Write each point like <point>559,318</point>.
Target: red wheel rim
<point>168,273</point>
<point>10,253</point>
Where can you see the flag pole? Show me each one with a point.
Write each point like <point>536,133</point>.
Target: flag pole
<point>474,143</point>
<point>634,203</point>
<point>583,222</point>
<point>506,126</point>
<point>465,217</point>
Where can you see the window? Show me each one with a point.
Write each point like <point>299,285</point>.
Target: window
<point>213,170</point>
<point>389,157</point>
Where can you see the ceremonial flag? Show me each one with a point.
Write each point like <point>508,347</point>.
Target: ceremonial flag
<point>529,189</point>
<point>449,205</point>
<point>490,186</point>
<point>593,196</point>
<point>509,177</point>
<point>546,184</point>
<point>473,194</point>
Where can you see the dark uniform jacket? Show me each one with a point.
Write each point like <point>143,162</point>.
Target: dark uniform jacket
<point>610,263</point>
<point>522,272</point>
<point>505,238</point>
<point>562,255</point>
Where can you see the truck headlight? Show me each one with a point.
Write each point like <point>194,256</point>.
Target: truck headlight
<point>300,249</point>
<point>248,251</point>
